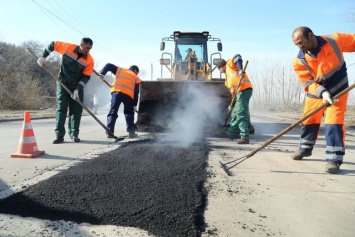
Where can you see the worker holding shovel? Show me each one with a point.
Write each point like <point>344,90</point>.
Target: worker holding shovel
<point>241,89</point>
<point>125,90</point>
<point>75,71</point>
<point>321,69</point>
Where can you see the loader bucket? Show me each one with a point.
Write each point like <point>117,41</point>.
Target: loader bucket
<point>167,105</point>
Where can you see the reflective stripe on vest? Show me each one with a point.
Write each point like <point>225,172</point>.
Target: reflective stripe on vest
<point>326,76</point>
<point>125,82</point>
<point>233,82</point>
<point>74,57</point>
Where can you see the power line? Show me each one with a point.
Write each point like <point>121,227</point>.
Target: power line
<point>85,24</point>
<point>46,11</point>
<point>57,17</point>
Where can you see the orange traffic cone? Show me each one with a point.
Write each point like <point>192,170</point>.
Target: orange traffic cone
<point>27,146</point>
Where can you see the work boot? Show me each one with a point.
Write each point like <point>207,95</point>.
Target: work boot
<point>332,167</point>
<point>299,155</point>
<point>76,139</point>
<point>243,141</point>
<point>132,135</point>
<point>58,140</point>
<point>251,130</point>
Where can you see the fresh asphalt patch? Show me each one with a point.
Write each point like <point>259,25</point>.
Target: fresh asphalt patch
<point>155,186</point>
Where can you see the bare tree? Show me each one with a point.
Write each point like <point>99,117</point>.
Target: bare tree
<point>23,83</point>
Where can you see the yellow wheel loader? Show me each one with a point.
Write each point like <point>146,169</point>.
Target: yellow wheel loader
<point>186,93</point>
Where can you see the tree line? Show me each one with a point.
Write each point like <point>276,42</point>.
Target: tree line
<point>24,85</point>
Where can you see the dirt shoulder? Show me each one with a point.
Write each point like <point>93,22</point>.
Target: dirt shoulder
<point>13,115</point>
<point>291,115</point>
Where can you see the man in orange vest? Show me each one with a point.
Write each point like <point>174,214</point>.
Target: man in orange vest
<point>321,69</point>
<point>240,87</point>
<point>125,89</point>
<point>75,71</point>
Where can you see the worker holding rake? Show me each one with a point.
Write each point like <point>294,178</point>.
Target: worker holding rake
<point>321,69</point>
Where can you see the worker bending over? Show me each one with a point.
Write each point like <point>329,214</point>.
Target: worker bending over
<point>125,89</point>
<point>240,87</point>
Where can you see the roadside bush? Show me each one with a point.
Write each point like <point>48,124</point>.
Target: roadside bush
<point>23,84</point>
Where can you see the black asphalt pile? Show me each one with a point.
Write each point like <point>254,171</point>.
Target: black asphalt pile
<point>145,124</point>
<point>154,186</point>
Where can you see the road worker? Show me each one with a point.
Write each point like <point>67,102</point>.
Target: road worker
<point>95,104</point>
<point>191,62</point>
<point>321,69</point>
<point>188,51</point>
<point>75,71</point>
<point>240,87</point>
<point>125,89</point>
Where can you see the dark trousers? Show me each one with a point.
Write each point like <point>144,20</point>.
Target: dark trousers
<point>116,99</point>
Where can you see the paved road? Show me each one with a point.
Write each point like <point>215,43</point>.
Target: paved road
<point>16,173</point>
<point>269,194</point>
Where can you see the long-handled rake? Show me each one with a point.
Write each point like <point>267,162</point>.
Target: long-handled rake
<point>253,152</point>
<point>78,100</point>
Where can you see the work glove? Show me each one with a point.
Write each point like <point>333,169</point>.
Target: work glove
<point>101,77</point>
<point>327,98</point>
<point>41,61</point>
<point>75,95</point>
<point>241,73</point>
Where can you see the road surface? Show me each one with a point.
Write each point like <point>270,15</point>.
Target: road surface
<point>268,195</point>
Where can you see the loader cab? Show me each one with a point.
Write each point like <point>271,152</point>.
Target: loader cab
<point>184,43</point>
<point>165,99</point>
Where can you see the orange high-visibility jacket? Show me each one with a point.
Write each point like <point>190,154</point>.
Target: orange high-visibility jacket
<point>125,81</point>
<point>73,69</point>
<point>328,70</point>
<point>232,81</point>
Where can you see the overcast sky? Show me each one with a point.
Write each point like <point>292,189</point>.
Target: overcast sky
<point>127,32</point>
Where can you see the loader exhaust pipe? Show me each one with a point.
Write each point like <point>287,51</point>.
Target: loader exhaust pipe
<point>78,100</point>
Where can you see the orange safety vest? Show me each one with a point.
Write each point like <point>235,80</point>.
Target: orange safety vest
<point>328,70</point>
<point>232,81</point>
<point>69,51</point>
<point>125,82</point>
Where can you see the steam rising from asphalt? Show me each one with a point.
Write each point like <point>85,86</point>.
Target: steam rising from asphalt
<point>198,107</point>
